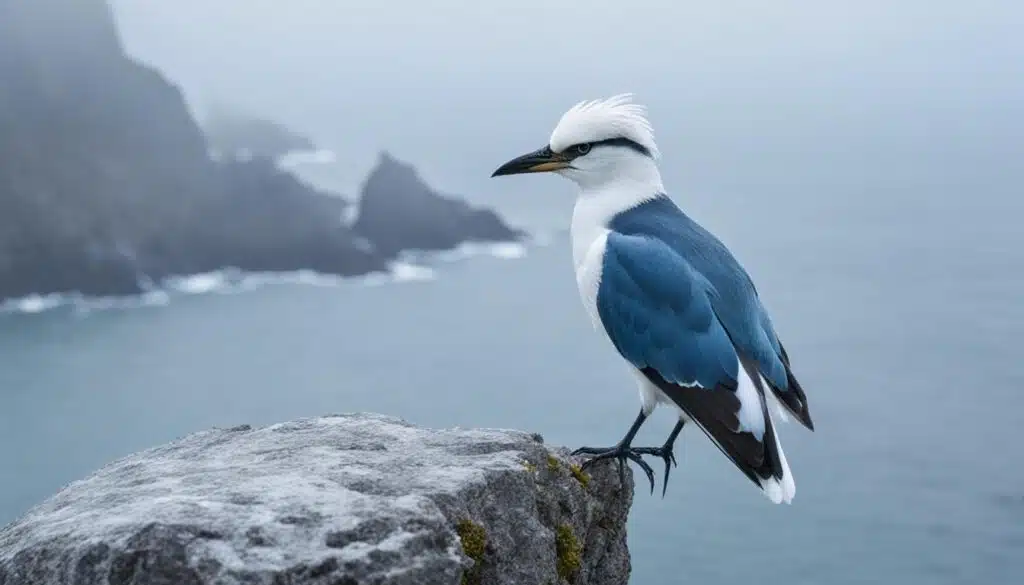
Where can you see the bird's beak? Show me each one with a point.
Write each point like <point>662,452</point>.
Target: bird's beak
<point>538,161</point>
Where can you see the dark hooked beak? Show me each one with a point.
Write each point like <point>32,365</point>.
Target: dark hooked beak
<point>538,161</point>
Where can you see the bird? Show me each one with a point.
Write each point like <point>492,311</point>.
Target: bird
<point>671,298</point>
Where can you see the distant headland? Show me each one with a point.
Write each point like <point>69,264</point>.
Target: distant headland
<point>108,186</point>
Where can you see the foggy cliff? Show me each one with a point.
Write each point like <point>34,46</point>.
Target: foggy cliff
<point>106,179</point>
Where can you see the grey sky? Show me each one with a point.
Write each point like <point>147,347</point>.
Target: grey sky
<point>457,86</point>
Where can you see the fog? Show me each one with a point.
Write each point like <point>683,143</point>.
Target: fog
<point>744,95</point>
<point>862,159</point>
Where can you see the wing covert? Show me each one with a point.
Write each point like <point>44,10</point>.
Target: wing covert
<point>656,310</point>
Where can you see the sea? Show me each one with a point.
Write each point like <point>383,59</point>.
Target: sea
<point>901,306</point>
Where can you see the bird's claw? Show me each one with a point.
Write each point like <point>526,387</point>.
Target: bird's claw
<point>666,455</point>
<point>621,453</point>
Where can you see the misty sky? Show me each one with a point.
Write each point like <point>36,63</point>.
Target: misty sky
<point>741,93</point>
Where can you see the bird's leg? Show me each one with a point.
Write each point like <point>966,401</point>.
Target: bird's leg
<point>620,452</point>
<point>665,452</point>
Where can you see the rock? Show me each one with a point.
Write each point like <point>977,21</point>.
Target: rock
<point>267,221</point>
<point>98,152</point>
<point>349,499</point>
<point>399,211</point>
<point>229,133</point>
<point>107,183</point>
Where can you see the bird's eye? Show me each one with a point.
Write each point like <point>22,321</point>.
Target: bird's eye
<point>582,149</point>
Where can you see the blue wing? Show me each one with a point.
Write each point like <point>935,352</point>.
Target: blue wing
<point>658,313</point>
<point>734,298</point>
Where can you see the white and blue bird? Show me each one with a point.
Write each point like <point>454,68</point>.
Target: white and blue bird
<point>671,298</point>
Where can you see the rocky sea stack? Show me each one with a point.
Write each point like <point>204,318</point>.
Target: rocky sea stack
<point>107,183</point>
<point>350,499</point>
<point>399,211</point>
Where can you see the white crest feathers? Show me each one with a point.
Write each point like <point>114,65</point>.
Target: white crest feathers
<point>602,119</point>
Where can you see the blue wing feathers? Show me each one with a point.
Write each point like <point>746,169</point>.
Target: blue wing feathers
<point>657,311</point>
<point>731,292</point>
<point>657,314</point>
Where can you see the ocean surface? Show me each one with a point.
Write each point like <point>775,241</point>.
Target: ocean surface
<point>903,312</point>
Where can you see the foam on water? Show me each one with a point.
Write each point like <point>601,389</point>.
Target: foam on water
<point>32,304</point>
<point>232,281</point>
<point>227,281</point>
<point>153,298</point>
<point>405,272</point>
<point>82,304</point>
<point>413,266</point>
<point>255,280</point>
<point>509,251</point>
<point>202,283</point>
<point>500,250</point>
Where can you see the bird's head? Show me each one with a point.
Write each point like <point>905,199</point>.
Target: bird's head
<point>595,142</point>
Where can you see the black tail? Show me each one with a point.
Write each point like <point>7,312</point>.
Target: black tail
<point>715,412</point>
<point>793,397</point>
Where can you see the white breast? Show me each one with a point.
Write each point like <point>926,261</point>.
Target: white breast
<point>589,230</point>
<point>595,207</point>
<point>588,273</point>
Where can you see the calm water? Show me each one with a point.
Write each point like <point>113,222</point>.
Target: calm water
<point>903,317</point>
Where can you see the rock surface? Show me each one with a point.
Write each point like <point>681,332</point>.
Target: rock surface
<point>399,211</point>
<point>350,499</point>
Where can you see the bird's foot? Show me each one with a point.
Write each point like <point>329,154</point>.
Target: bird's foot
<point>621,453</point>
<point>666,455</point>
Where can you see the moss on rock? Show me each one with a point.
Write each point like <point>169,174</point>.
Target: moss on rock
<point>580,475</point>
<point>474,544</point>
<point>568,550</point>
<point>553,464</point>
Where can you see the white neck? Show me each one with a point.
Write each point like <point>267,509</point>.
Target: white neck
<point>607,191</point>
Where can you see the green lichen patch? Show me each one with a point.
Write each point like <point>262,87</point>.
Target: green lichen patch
<point>553,464</point>
<point>474,544</point>
<point>580,475</point>
<point>567,549</point>
<point>530,467</point>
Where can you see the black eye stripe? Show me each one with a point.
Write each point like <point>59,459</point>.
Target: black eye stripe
<point>621,141</point>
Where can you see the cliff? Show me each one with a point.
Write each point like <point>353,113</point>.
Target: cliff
<point>98,152</point>
<point>106,180</point>
<point>348,499</point>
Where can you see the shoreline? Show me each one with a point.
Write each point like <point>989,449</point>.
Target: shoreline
<point>412,266</point>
